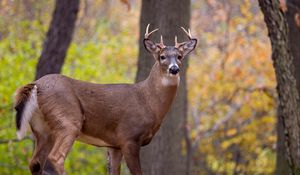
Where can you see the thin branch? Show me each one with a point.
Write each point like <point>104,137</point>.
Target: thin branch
<point>14,140</point>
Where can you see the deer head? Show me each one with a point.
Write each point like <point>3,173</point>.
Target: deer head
<point>169,57</point>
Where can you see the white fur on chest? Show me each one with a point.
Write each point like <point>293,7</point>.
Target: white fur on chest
<point>170,80</point>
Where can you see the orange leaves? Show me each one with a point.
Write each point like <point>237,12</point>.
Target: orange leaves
<point>242,46</point>
<point>221,14</point>
<point>245,10</point>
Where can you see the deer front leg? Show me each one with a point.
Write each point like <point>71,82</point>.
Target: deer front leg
<point>114,161</point>
<point>131,152</point>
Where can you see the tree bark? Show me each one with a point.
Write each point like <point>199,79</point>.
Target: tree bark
<point>286,82</point>
<point>293,7</point>
<point>282,164</point>
<point>165,154</point>
<point>58,37</point>
<point>294,36</point>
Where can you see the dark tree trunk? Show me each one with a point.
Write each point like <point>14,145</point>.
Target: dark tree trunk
<point>286,82</point>
<point>294,36</point>
<point>165,154</point>
<point>58,37</point>
<point>282,164</point>
<point>293,6</point>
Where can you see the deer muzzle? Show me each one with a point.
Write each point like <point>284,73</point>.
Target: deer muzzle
<point>174,69</point>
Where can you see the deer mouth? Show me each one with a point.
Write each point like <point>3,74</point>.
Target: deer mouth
<point>171,80</point>
<point>172,76</point>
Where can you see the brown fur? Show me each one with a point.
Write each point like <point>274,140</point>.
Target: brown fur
<point>123,117</point>
<point>22,94</point>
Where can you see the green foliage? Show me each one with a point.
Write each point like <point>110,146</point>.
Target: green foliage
<point>18,60</point>
<point>106,57</point>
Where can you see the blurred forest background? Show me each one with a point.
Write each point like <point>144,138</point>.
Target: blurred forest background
<point>231,114</point>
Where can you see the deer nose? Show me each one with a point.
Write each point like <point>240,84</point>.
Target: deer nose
<point>174,70</point>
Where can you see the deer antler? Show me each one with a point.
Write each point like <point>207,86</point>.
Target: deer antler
<point>147,35</point>
<point>187,32</point>
<point>176,43</point>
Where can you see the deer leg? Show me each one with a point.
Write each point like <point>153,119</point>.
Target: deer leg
<point>131,152</point>
<point>63,142</point>
<point>114,161</point>
<point>43,145</point>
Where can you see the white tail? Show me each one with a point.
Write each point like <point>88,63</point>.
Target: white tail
<point>30,107</point>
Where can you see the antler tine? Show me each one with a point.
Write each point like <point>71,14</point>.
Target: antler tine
<point>161,44</point>
<point>147,29</point>
<point>147,34</point>
<point>176,43</point>
<point>187,32</point>
<point>161,39</point>
<point>152,31</point>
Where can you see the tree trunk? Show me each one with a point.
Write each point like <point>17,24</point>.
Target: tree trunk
<point>58,37</point>
<point>165,155</point>
<point>282,166</point>
<point>294,36</point>
<point>286,82</point>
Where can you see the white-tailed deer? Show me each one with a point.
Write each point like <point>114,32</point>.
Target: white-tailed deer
<point>122,117</point>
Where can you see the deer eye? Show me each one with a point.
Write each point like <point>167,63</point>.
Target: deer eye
<point>179,57</point>
<point>162,57</point>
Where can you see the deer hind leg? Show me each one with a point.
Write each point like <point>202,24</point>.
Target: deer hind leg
<point>64,117</point>
<point>42,148</point>
<point>114,161</point>
<point>65,127</point>
<point>63,141</point>
<point>43,144</point>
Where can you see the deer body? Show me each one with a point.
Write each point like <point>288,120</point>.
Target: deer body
<point>106,111</point>
<point>122,117</point>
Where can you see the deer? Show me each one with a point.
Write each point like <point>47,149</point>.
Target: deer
<point>122,117</point>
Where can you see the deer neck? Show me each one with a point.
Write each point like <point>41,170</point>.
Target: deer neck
<point>160,90</point>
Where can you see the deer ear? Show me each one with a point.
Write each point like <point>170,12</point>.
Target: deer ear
<point>151,46</point>
<point>188,46</point>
